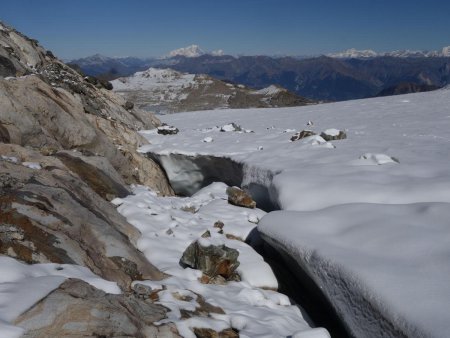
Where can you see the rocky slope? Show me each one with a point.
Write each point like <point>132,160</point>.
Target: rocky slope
<point>169,91</point>
<point>67,148</point>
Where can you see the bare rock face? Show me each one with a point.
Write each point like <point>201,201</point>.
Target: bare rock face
<point>97,172</point>
<point>46,104</point>
<point>239,197</point>
<point>77,309</point>
<point>302,134</point>
<point>52,215</point>
<point>212,260</point>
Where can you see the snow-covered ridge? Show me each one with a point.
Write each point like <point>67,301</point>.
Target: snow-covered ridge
<point>360,54</point>
<point>154,77</point>
<point>271,90</point>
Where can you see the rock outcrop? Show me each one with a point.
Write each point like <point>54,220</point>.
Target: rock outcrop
<point>45,104</point>
<point>76,309</point>
<point>52,215</point>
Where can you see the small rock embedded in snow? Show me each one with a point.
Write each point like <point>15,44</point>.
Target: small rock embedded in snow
<point>32,165</point>
<point>302,134</point>
<point>260,148</point>
<point>167,130</point>
<point>219,224</point>
<point>333,134</point>
<point>378,158</point>
<point>252,218</point>
<point>309,123</point>
<point>208,139</point>
<point>230,127</point>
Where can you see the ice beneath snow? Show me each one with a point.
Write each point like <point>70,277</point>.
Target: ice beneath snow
<point>376,201</point>
<point>23,285</point>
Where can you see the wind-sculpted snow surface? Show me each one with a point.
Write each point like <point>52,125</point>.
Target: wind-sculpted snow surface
<point>368,216</point>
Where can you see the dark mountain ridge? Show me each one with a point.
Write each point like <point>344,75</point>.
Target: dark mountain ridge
<point>319,78</point>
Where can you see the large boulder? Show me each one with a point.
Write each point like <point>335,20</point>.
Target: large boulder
<point>212,260</point>
<point>240,198</point>
<point>77,309</point>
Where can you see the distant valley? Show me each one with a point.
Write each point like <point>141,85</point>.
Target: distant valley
<point>343,76</point>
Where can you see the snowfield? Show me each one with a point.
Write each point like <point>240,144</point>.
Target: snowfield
<point>367,216</point>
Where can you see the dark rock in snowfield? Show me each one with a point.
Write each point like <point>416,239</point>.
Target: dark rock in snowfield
<point>167,130</point>
<point>240,198</point>
<point>219,224</point>
<point>77,309</point>
<point>128,105</point>
<point>302,134</point>
<point>212,260</point>
<point>333,134</point>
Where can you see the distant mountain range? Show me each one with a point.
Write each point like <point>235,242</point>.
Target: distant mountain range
<point>362,54</point>
<point>348,75</point>
<point>168,91</point>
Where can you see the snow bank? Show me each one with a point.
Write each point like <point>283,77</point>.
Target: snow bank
<point>383,267</point>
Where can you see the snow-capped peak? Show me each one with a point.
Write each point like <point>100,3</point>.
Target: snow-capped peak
<point>191,51</point>
<point>354,53</point>
<point>446,51</point>
<point>218,52</point>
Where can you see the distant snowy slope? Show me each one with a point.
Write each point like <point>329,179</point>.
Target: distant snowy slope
<point>168,91</point>
<point>354,53</point>
<point>190,51</point>
<point>368,215</point>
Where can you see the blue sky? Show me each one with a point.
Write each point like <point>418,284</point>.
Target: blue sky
<point>294,27</point>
